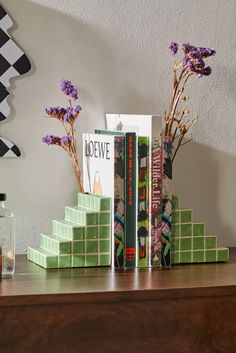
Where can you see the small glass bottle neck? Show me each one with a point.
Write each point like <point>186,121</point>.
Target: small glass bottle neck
<point>2,204</point>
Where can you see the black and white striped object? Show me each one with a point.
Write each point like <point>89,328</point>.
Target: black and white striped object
<point>13,62</point>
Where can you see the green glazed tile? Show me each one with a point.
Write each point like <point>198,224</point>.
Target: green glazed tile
<point>104,232</point>
<point>42,257</point>
<point>55,244</point>
<point>51,262</point>
<point>105,218</point>
<point>223,254</point>
<point>211,255</point>
<point>210,242</point>
<point>92,232</point>
<point>175,230</point>
<point>175,217</point>
<point>68,230</point>
<point>92,218</point>
<point>94,202</point>
<point>104,260</point>
<point>78,247</point>
<point>185,216</point>
<point>175,244</point>
<point>185,257</point>
<point>198,243</point>
<point>198,255</point>
<point>72,215</point>
<point>64,261</point>
<point>175,255</point>
<point>104,245</point>
<point>198,229</point>
<point>105,204</point>
<point>186,243</point>
<point>81,216</point>
<point>175,202</point>
<point>89,201</point>
<point>91,260</point>
<point>91,246</point>
<point>77,260</point>
<point>185,230</point>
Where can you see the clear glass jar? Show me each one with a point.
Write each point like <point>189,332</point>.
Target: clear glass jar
<point>7,238</point>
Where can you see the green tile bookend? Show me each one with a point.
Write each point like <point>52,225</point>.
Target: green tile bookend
<point>82,239</point>
<point>189,242</point>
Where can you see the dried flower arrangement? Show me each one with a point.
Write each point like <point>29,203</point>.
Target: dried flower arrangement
<point>67,117</point>
<point>177,120</point>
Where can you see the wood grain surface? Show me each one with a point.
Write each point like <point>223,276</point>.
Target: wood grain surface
<point>188,309</point>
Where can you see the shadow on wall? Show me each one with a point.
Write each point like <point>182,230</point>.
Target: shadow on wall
<point>203,178</point>
<point>89,57</point>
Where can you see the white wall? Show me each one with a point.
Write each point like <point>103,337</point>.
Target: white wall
<point>116,51</point>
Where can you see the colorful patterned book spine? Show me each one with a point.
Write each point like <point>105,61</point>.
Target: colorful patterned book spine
<point>130,200</point>
<point>119,202</point>
<point>143,202</point>
<point>166,202</point>
<point>156,197</point>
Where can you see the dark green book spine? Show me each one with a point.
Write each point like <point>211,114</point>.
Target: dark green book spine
<point>143,202</point>
<point>130,198</point>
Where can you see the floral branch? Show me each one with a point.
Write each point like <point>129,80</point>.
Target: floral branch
<point>67,117</point>
<point>192,64</point>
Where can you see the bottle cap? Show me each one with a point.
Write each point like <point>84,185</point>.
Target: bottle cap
<point>3,197</point>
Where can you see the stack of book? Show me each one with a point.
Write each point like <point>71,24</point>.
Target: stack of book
<point>125,162</point>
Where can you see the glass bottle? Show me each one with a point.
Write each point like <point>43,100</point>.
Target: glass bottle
<point>7,238</point>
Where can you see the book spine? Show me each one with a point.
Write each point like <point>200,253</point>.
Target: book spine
<point>142,202</point>
<point>130,200</point>
<point>166,202</point>
<point>155,240</point>
<point>119,202</point>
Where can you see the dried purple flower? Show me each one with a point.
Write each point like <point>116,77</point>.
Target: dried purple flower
<point>199,63</point>
<point>69,89</point>
<point>204,72</point>
<point>69,114</point>
<point>66,140</point>
<point>191,66</point>
<point>72,113</point>
<point>206,52</point>
<point>174,48</point>
<point>195,54</point>
<point>67,117</point>
<point>185,60</point>
<point>77,108</point>
<point>56,112</point>
<point>187,47</point>
<point>51,140</point>
<point>193,59</point>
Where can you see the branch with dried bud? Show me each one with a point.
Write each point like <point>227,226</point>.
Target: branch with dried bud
<point>67,117</point>
<point>177,120</point>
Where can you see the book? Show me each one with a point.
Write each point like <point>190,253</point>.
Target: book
<point>118,239</point>
<point>130,195</point>
<point>150,126</point>
<point>99,168</point>
<point>130,200</point>
<point>142,201</point>
<point>167,202</point>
